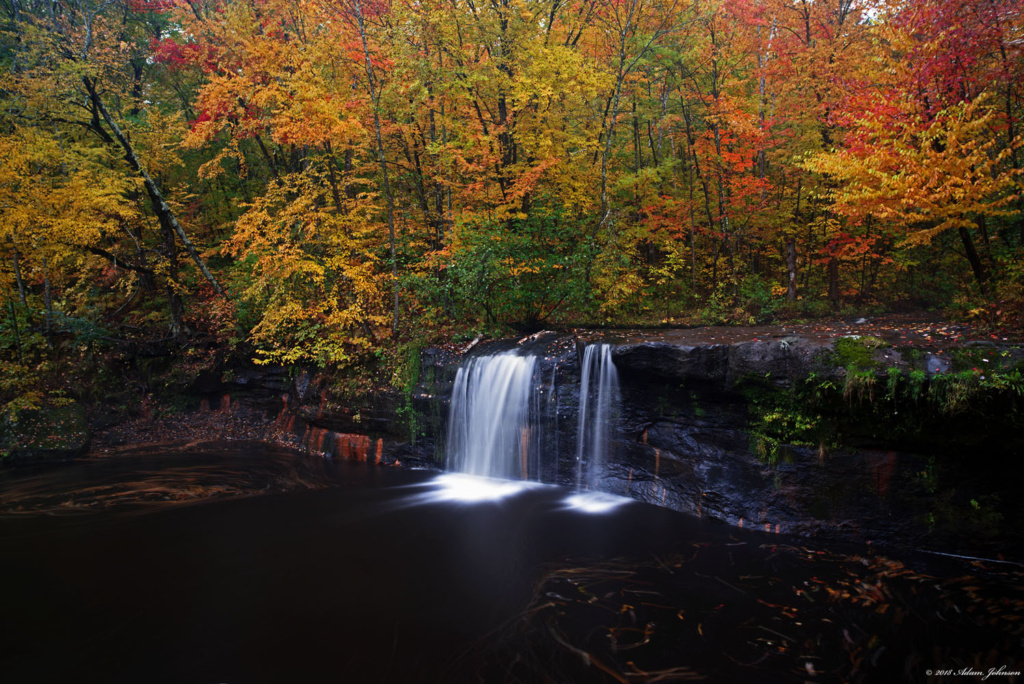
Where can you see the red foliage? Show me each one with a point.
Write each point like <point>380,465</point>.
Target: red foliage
<point>178,55</point>
<point>953,61</point>
<point>152,5</point>
<point>368,8</point>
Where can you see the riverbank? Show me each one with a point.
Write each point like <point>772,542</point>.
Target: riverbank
<point>861,430</point>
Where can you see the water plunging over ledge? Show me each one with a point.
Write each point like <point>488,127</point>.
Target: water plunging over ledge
<point>599,399</point>
<point>502,405</point>
<point>493,417</point>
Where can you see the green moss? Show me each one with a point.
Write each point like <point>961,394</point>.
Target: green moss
<point>900,408</point>
<point>911,354</point>
<point>857,352</point>
<point>965,359</point>
<point>50,429</point>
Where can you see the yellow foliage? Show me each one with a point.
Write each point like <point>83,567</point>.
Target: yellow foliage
<point>312,272</point>
<point>929,177</point>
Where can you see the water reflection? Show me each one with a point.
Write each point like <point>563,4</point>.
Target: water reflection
<point>162,475</point>
<point>470,489</point>
<point>459,488</point>
<point>595,502</point>
<point>366,574</point>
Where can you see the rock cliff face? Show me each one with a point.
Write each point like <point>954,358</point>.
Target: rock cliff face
<point>718,430</point>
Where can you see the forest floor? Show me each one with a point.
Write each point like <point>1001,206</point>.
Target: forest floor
<point>918,329</point>
<point>235,422</point>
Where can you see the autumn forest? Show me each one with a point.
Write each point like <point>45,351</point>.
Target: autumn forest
<point>320,181</point>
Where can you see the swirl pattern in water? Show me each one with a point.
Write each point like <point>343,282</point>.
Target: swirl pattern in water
<point>297,569</point>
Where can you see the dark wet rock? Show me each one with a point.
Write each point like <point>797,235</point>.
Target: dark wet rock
<point>258,378</point>
<point>850,494</point>
<point>936,364</point>
<point>46,434</point>
<point>689,403</point>
<point>779,361</point>
<point>684,439</point>
<point>304,387</point>
<point>674,362</point>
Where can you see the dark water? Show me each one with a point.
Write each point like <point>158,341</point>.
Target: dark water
<point>247,564</point>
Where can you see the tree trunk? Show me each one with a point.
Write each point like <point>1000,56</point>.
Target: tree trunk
<point>791,268</point>
<point>17,334</point>
<point>693,223</point>
<point>48,303</point>
<point>691,144</point>
<point>163,211</point>
<point>17,278</point>
<point>174,303</point>
<point>977,266</point>
<point>833,282</point>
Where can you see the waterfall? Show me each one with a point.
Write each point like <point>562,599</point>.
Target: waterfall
<point>492,419</point>
<point>501,408</point>
<point>599,400</point>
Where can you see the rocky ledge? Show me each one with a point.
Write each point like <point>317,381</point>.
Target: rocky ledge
<point>899,430</point>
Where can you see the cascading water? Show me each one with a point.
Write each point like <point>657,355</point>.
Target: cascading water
<point>501,407</point>
<point>491,430</point>
<point>599,400</point>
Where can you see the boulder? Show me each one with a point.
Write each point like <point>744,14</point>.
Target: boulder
<point>46,434</point>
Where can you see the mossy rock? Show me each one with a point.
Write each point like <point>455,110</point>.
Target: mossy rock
<point>858,352</point>
<point>53,433</point>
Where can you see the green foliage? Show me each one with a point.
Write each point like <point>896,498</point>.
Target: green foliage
<point>859,384</point>
<point>401,366</point>
<point>928,477</point>
<point>719,308</point>
<point>901,406</point>
<point>757,299</point>
<point>779,427</point>
<point>407,366</point>
<point>521,271</point>
<point>788,417</point>
<point>58,426</point>
<point>954,393</point>
<point>532,190</point>
<point>248,310</point>
<point>19,390</point>
<point>915,384</point>
<point>984,515</point>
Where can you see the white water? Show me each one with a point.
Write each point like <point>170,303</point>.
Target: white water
<point>599,400</point>
<point>489,431</point>
<point>498,410</point>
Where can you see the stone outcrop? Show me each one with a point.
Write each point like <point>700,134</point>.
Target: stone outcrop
<point>688,433</point>
<point>48,434</point>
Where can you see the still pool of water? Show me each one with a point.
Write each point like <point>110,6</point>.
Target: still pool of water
<point>245,563</point>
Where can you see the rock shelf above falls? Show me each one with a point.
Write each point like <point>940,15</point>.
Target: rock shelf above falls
<point>898,430</point>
